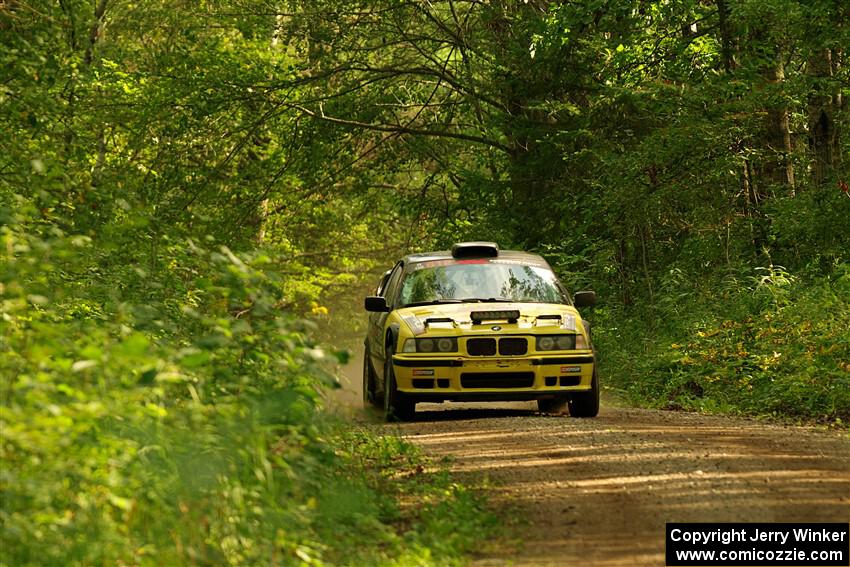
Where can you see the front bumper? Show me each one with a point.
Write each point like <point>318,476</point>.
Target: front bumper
<point>466,378</point>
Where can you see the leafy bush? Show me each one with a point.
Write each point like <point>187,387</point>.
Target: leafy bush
<point>172,416</point>
<point>777,346</point>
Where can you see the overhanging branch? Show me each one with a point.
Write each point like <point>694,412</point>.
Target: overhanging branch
<point>402,129</point>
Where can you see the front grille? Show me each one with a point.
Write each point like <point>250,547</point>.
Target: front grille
<point>497,379</point>
<point>481,347</point>
<point>510,346</point>
<point>513,347</point>
<point>570,380</point>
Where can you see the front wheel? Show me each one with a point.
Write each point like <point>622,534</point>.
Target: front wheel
<point>586,404</point>
<point>397,406</point>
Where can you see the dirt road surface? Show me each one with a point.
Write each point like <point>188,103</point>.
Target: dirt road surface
<point>599,491</point>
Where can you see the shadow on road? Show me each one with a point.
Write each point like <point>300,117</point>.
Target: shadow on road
<point>466,414</point>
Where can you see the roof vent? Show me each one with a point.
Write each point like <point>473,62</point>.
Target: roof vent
<point>475,250</point>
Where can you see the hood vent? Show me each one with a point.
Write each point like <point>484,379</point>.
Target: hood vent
<point>443,322</point>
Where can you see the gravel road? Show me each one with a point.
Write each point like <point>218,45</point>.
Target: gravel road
<point>599,491</point>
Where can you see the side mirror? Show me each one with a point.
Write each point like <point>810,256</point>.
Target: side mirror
<point>585,298</point>
<point>376,304</point>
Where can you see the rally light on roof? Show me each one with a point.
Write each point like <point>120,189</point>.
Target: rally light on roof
<point>475,250</point>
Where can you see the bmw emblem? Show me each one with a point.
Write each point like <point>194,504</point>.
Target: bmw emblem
<point>495,328</point>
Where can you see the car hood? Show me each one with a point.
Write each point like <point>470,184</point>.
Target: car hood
<point>532,315</point>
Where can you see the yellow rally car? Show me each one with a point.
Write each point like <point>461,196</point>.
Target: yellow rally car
<point>477,324</point>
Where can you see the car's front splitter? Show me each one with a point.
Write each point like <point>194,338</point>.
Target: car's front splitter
<point>504,378</point>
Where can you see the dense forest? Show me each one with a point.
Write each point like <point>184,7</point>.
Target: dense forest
<point>186,187</point>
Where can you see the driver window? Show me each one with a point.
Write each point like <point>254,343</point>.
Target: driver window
<point>391,289</point>
<point>382,286</point>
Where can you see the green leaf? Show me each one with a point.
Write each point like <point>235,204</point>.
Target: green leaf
<point>195,359</point>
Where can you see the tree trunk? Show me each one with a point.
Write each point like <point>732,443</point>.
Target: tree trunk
<point>263,208</point>
<point>777,168</point>
<point>840,103</point>
<point>726,45</point>
<point>822,134</point>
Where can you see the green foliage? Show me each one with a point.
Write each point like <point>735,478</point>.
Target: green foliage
<point>189,430</point>
<point>774,345</point>
<point>133,431</point>
<point>437,520</point>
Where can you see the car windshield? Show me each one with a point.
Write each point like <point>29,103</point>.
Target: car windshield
<point>481,281</point>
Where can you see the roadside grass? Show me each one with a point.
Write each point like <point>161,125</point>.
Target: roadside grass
<point>426,516</point>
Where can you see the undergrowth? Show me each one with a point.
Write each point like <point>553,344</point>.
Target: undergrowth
<point>768,344</point>
<point>168,412</point>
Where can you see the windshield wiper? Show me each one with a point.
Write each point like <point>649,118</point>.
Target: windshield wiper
<point>432,302</point>
<point>464,300</point>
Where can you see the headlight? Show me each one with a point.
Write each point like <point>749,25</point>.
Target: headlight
<point>444,344</point>
<point>557,342</point>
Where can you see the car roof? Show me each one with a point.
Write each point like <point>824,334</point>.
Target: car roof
<point>525,258</point>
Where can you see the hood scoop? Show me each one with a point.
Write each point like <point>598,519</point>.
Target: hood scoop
<point>440,322</point>
<point>566,321</point>
<point>547,320</point>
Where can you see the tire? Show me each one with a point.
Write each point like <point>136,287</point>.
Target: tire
<point>553,405</point>
<point>586,404</point>
<point>370,399</point>
<point>397,406</point>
